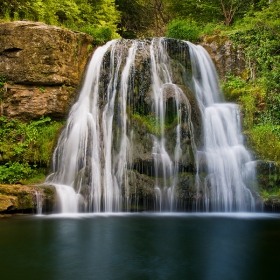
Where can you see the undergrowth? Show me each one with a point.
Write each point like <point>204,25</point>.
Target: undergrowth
<point>26,149</point>
<point>261,125</point>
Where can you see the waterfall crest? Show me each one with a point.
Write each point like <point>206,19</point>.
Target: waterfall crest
<point>149,132</point>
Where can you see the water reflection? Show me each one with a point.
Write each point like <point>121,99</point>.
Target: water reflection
<point>141,246</point>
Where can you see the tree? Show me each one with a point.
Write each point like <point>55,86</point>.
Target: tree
<point>142,18</point>
<point>205,11</point>
<point>230,7</point>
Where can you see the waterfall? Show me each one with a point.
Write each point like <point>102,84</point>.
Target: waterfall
<point>149,128</point>
<point>229,164</point>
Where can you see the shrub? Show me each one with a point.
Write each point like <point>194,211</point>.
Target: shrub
<point>13,172</point>
<point>265,140</point>
<point>234,87</point>
<point>183,30</point>
<point>26,149</point>
<point>100,35</point>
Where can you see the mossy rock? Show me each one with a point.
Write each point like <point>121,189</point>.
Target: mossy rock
<point>18,198</point>
<point>8,202</point>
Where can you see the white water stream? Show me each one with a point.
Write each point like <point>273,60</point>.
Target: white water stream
<point>229,165</point>
<point>91,166</point>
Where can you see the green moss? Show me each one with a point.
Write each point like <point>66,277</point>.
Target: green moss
<point>89,48</point>
<point>218,39</point>
<point>49,192</point>
<point>25,201</point>
<point>150,121</point>
<point>266,194</point>
<point>38,176</point>
<point>153,124</point>
<point>2,85</point>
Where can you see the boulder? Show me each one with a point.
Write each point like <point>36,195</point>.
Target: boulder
<point>43,66</point>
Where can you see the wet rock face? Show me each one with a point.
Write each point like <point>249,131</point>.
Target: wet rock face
<point>23,199</point>
<point>140,100</point>
<point>143,125</point>
<point>225,55</point>
<point>36,61</point>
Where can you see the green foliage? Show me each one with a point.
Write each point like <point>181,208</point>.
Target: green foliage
<point>266,194</point>
<point>265,140</point>
<point>2,84</point>
<point>150,121</point>
<point>100,34</point>
<point>215,11</point>
<point>2,80</point>
<point>13,172</point>
<point>247,95</point>
<point>234,87</point>
<point>183,30</point>
<point>262,128</point>
<point>74,14</point>
<point>211,28</point>
<point>143,18</point>
<point>259,35</point>
<point>25,148</point>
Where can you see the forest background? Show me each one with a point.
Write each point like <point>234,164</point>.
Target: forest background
<point>253,26</point>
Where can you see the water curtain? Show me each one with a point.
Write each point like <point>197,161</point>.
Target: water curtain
<point>150,132</point>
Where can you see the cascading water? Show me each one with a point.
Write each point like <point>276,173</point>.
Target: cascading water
<point>229,165</point>
<point>135,135</point>
<point>39,199</point>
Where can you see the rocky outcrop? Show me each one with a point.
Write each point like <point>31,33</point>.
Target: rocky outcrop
<point>27,102</point>
<point>226,56</point>
<point>19,198</point>
<point>43,66</point>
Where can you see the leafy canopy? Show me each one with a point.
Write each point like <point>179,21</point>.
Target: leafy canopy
<point>81,15</point>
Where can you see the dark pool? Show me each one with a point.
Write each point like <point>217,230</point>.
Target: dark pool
<point>141,246</point>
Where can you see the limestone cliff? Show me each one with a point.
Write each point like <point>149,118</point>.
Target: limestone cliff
<point>227,57</point>
<point>43,66</point>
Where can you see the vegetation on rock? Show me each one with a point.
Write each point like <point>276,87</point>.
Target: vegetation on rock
<point>26,149</point>
<point>98,18</point>
<point>18,198</point>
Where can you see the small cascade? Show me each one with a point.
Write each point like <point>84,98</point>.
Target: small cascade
<point>149,132</point>
<point>68,199</point>
<point>39,202</point>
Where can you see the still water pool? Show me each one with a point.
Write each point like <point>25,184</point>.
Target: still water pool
<point>141,246</point>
